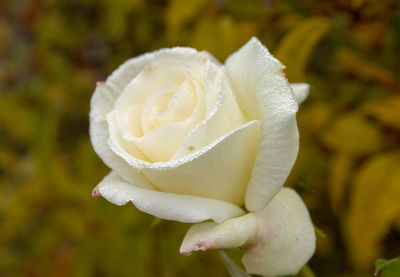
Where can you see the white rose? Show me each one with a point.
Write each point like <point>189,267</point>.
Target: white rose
<point>189,139</point>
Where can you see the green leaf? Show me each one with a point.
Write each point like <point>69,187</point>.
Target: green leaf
<point>387,268</point>
<point>320,233</point>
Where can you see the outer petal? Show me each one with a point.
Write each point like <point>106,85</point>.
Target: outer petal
<point>277,240</point>
<point>184,208</point>
<point>220,170</point>
<point>288,237</point>
<point>300,91</point>
<point>234,232</point>
<point>101,103</point>
<point>263,93</point>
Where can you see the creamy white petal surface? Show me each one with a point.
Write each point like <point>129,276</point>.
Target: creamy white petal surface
<point>263,93</point>
<point>277,240</point>
<point>101,103</point>
<point>219,170</point>
<point>175,126</point>
<point>190,139</point>
<point>300,91</point>
<point>179,207</point>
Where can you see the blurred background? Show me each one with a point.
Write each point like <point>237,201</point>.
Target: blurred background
<point>53,52</point>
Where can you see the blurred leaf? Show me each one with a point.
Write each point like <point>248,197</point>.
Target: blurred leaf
<point>115,15</point>
<point>12,106</point>
<point>221,36</point>
<point>353,134</point>
<point>340,169</point>
<point>5,35</point>
<point>295,48</point>
<point>248,9</point>
<point>387,268</point>
<point>387,111</point>
<point>234,269</point>
<point>320,233</point>
<point>374,206</point>
<point>86,162</point>
<point>306,271</point>
<point>179,12</point>
<point>315,117</point>
<point>44,143</point>
<point>354,63</point>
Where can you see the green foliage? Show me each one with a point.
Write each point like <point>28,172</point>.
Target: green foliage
<point>53,52</point>
<point>387,268</point>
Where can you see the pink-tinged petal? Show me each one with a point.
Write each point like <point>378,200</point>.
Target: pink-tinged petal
<point>179,207</point>
<point>277,240</point>
<point>234,232</point>
<point>285,237</point>
<point>96,193</point>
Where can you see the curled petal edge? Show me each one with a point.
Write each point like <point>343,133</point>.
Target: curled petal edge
<point>277,240</point>
<point>263,93</point>
<point>169,206</point>
<point>300,91</point>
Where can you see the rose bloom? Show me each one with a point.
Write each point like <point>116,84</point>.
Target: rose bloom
<point>190,139</point>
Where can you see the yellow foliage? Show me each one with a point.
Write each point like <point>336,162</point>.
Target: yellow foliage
<point>179,12</point>
<point>340,169</point>
<point>315,117</point>
<point>374,206</point>
<point>221,36</point>
<point>353,134</point>
<point>295,48</point>
<point>19,131</point>
<point>353,63</point>
<point>387,111</point>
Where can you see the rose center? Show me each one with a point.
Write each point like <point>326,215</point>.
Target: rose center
<point>171,103</point>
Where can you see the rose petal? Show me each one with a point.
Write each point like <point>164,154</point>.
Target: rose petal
<point>220,170</point>
<point>234,232</point>
<point>286,234</point>
<point>167,66</point>
<point>101,103</point>
<point>128,70</point>
<point>168,137</point>
<point>225,116</point>
<point>300,91</point>
<point>277,240</point>
<point>263,93</point>
<point>184,208</point>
